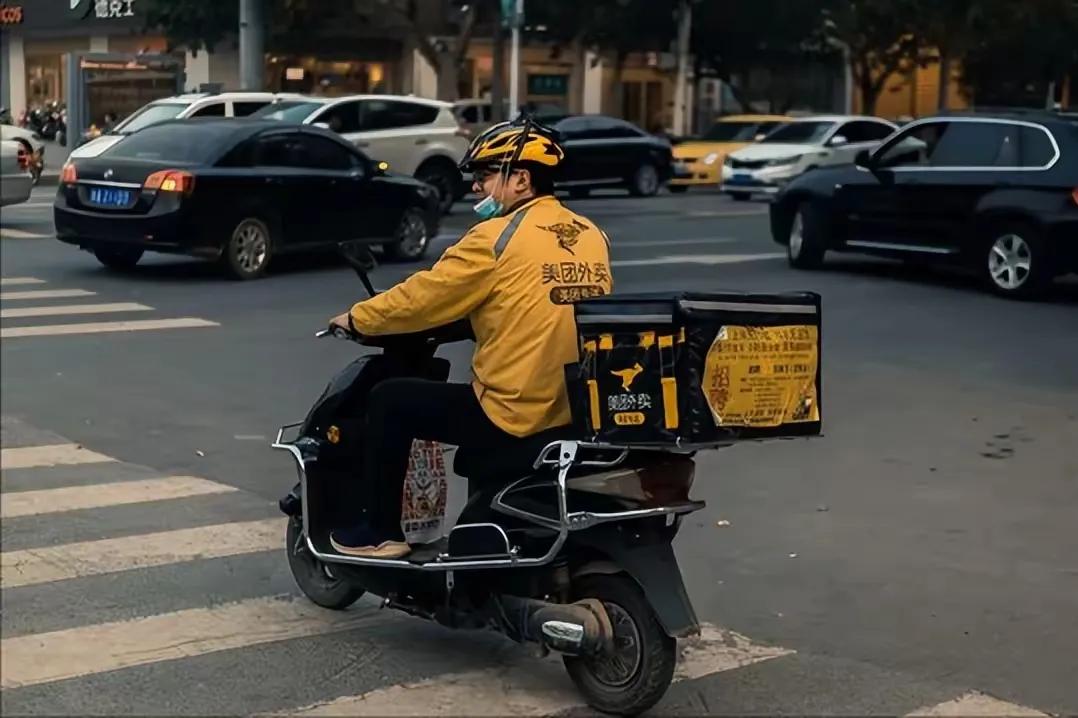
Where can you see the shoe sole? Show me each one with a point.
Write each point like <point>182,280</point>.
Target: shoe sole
<point>386,549</point>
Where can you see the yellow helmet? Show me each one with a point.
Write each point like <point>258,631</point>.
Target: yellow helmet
<point>506,143</point>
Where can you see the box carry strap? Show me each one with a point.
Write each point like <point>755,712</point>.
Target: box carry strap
<point>669,381</point>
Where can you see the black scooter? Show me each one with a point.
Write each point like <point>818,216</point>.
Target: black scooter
<point>569,548</point>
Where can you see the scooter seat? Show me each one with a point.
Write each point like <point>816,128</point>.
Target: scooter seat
<point>508,462</point>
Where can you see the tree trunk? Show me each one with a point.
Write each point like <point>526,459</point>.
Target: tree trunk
<point>497,77</point>
<point>945,80</point>
<point>448,75</point>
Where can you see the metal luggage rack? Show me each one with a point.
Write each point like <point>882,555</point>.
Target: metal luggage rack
<point>560,454</point>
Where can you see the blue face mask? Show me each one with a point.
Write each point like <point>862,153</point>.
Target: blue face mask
<point>488,208</point>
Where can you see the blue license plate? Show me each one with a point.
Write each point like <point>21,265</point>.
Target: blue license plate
<point>741,179</point>
<point>109,197</point>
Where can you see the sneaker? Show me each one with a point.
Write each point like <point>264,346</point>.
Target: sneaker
<point>364,542</point>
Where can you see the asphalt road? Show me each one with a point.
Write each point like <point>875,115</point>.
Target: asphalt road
<point>923,550</point>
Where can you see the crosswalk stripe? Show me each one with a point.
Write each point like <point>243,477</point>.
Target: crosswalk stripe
<point>707,259</point>
<point>73,309</point>
<point>538,688</point>
<point>101,327</point>
<point>46,294</point>
<point>92,558</point>
<point>74,498</point>
<point>88,650</point>
<point>32,457</point>
<point>12,233</point>
<point>978,705</point>
<point>19,281</point>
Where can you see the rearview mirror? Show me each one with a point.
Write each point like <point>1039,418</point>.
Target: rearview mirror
<point>838,141</point>
<point>863,159</point>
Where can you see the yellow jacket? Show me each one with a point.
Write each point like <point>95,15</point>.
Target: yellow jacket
<point>515,277</point>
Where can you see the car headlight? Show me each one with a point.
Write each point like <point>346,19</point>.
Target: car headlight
<point>711,158</point>
<point>780,161</point>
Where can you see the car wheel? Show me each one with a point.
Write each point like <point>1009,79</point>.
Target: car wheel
<point>1016,263</point>
<point>121,259</point>
<point>645,181</point>
<point>741,196</point>
<point>444,177</point>
<point>411,239</point>
<point>678,188</point>
<point>579,193</point>
<point>805,246</point>
<point>249,249</point>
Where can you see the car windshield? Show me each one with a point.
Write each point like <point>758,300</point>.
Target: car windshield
<point>800,133</point>
<point>287,111</point>
<point>151,115</point>
<point>178,143</point>
<point>732,132</point>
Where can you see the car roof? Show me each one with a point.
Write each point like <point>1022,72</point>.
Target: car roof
<point>754,118</point>
<point>405,98</point>
<point>841,118</point>
<point>189,97</point>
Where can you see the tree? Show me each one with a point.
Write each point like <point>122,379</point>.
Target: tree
<point>951,29</point>
<point>195,24</point>
<point>880,36</point>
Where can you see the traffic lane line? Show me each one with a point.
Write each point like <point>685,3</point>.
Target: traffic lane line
<point>91,558</point>
<point>103,327</point>
<point>73,309</point>
<point>30,457</point>
<point>39,658</point>
<point>977,705</point>
<point>11,233</point>
<point>46,294</point>
<point>706,259</point>
<point>537,687</point>
<point>19,281</point>
<point>94,496</point>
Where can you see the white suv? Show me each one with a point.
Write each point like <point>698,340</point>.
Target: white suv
<point>199,104</point>
<point>414,136</point>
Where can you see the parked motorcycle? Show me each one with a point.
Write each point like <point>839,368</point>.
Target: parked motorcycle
<point>566,546</point>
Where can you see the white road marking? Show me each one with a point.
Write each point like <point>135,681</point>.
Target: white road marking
<point>88,650</point>
<point>120,493</point>
<point>537,687</point>
<point>30,457</point>
<point>707,259</point>
<point>46,294</point>
<point>92,558</point>
<point>73,309</point>
<point>978,705</point>
<point>100,327</point>
<point>19,281</point>
<point>11,233</point>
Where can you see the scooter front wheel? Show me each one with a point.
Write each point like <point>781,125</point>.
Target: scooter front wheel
<point>314,577</point>
<point>634,675</point>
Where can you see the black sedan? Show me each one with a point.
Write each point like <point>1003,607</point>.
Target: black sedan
<point>602,152</point>
<point>238,192</point>
<point>996,194</point>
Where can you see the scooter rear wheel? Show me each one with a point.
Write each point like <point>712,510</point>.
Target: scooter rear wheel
<point>635,675</point>
<point>314,577</point>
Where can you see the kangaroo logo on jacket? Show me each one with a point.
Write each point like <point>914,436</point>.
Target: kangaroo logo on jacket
<point>567,233</point>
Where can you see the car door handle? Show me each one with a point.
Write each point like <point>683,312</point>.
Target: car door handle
<point>422,141</point>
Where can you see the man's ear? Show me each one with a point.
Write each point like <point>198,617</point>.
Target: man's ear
<point>524,180</point>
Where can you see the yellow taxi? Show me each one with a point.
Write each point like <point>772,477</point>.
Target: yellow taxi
<point>699,162</point>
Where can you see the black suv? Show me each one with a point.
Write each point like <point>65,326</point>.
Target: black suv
<point>998,194</point>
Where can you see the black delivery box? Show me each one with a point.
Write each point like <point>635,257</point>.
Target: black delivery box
<point>696,368</point>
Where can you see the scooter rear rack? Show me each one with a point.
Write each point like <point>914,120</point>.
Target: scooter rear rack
<point>560,454</point>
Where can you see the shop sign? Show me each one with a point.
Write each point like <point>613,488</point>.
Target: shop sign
<point>103,9</point>
<point>548,84</point>
<point>10,14</point>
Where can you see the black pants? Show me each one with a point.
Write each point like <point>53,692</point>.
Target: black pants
<point>400,410</point>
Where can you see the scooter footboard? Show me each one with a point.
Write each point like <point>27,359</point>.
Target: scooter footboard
<point>649,559</point>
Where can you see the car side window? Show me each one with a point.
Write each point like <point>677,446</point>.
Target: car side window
<point>341,118</point>
<point>391,114</point>
<point>865,131</point>
<point>216,109</point>
<point>325,154</point>
<point>971,144</point>
<point>1035,148</point>
<point>575,128</point>
<point>243,109</point>
<point>912,148</point>
<point>278,150</point>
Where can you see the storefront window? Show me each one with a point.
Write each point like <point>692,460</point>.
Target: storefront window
<point>315,76</point>
<point>45,79</point>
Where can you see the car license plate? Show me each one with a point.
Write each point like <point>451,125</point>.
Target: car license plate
<point>741,178</point>
<point>109,197</point>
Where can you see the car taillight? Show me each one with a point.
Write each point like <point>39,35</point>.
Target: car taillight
<point>1074,195</point>
<point>68,175</point>
<point>171,181</point>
